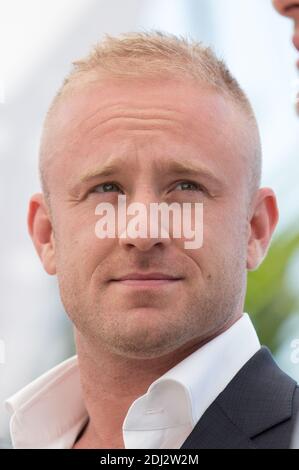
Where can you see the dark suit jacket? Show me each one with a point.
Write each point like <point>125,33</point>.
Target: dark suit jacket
<point>257,410</point>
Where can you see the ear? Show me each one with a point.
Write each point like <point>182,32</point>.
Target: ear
<point>263,220</point>
<point>41,231</point>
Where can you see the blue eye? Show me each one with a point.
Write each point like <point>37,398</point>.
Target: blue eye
<point>189,186</point>
<point>106,188</point>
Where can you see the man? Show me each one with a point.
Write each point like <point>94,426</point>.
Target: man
<point>290,8</point>
<point>166,356</point>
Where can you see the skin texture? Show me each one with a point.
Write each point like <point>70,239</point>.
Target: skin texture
<point>126,336</point>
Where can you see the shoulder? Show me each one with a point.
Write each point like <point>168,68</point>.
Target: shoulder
<point>263,401</point>
<point>257,410</point>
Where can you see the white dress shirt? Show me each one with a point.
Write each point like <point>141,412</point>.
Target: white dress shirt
<point>49,413</point>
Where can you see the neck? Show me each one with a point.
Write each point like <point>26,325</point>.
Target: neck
<point>111,383</point>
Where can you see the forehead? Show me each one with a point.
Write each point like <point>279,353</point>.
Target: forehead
<point>154,101</point>
<point>121,117</point>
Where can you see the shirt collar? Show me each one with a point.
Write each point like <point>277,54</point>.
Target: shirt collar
<point>50,411</point>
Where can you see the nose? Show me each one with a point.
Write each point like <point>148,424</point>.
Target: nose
<point>289,8</point>
<point>143,244</point>
<point>141,229</point>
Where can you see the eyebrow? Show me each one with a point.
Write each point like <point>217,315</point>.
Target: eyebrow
<point>189,168</point>
<point>172,167</point>
<point>107,170</point>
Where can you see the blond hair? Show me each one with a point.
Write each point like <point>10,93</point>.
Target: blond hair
<point>157,55</point>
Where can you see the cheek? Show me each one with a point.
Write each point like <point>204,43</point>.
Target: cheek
<point>78,250</point>
<point>224,235</point>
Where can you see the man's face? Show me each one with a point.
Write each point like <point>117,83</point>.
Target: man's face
<point>144,130</point>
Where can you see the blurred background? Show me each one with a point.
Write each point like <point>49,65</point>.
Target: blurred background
<point>38,42</point>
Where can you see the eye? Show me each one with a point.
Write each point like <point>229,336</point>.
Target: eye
<point>189,186</point>
<point>105,188</point>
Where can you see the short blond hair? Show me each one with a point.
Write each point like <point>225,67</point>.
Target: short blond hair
<point>155,54</point>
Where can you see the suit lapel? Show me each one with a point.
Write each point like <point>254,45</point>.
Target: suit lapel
<point>258,398</point>
<point>216,431</point>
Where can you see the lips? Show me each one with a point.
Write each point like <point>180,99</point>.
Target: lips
<point>150,276</point>
<point>149,280</point>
